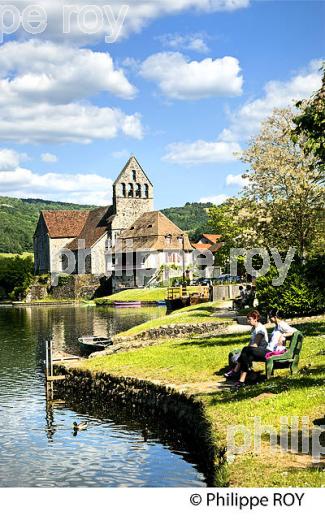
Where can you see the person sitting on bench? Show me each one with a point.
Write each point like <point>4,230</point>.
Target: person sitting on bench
<point>238,303</point>
<point>281,328</point>
<point>255,351</point>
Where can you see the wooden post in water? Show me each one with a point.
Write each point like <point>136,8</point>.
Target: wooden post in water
<point>49,371</point>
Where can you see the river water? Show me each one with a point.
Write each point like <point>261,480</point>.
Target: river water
<point>37,444</point>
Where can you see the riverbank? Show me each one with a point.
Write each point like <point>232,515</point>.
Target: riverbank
<point>194,366</point>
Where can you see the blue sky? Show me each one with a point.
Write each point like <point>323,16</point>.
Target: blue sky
<point>180,90</point>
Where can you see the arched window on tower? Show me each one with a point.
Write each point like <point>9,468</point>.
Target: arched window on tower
<point>146,191</point>
<point>123,189</point>
<point>138,191</point>
<point>130,190</point>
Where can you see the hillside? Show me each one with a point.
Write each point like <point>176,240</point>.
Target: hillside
<point>18,219</point>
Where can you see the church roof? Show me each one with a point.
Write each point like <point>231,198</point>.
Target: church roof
<point>64,223</point>
<point>149,232</point>
<point>94,228</point>
<point>132,158</point>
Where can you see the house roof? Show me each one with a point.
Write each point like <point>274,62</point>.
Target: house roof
<point>210,247</point>
<point>64,223</point>
<point>212,238</point>
<point>127,166</point>
<point>149,232</point>
<point>94,228</point>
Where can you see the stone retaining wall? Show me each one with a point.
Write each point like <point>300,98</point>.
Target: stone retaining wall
<point>173,331</point>
<point>152,401</point>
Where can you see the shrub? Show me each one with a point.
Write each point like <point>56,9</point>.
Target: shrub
<point>301,294</point>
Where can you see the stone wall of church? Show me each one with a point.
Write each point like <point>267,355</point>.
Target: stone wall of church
<point>56,247</point>
<point>132,196</point>
<point>98,266</point>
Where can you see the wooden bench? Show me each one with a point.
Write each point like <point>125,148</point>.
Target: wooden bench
<point>290,359</point>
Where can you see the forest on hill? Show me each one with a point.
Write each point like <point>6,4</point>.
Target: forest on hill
<point>18,219</point>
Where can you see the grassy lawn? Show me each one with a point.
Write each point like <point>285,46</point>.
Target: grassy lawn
<point>12,255</point>
<point>199,364</point>
<point>201,313</point>
<point>138,295</point>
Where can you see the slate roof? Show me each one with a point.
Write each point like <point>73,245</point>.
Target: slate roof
<point>64,223</point>
<point>149,232</point>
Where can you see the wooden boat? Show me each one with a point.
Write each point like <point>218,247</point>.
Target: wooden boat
<point>127,304</point>
<point>94,343</point>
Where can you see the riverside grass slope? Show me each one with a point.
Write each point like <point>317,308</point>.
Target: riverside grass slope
<point>196,364</point>
<point>154,294</point>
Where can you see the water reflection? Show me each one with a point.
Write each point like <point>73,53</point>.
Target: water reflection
<point>37,445</point>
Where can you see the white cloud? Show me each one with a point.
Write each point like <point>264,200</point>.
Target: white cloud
<point>66,123</point>
<point>193,42</point>
<point>245,122</point>
<point>55,73</point>
<point>140,13</point>
<point>215,199</point>
<point>43,91</point>
<point>200,152</point>
<point>236,180</point>
<point>49,158</point>
<point>179,78</point>
<point>80,188</point>
<point>9,159</point>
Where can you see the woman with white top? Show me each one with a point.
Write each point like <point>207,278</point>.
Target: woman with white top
<point>255,351</point>
<point>281,331</point>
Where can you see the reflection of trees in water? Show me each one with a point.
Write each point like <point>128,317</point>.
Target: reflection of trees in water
<point>66,324</point>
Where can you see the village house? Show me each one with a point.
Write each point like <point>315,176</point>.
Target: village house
<point>94,241</point>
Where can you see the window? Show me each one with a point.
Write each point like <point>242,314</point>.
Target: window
<point>123,189</point>
<point>130,190</point>
<point>134,175</point>
<point>138,191</point>
<point>146,191</point>
<point>168,239</point>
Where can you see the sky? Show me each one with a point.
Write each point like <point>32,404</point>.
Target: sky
<point>181,84</point>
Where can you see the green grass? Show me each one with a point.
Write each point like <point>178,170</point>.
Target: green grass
<point>201,313</point>
<point>138,295</point>
<point>12,255</point>
<point>202,361</point>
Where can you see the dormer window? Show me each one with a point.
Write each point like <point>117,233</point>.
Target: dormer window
<point>134,175</point>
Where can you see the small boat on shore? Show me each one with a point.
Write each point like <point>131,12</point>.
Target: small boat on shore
<point>127,304</point>
<point>94,343</point>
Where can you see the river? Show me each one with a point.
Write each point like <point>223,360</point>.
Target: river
<point>37,444</point>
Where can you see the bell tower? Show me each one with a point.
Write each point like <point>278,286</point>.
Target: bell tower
<point>132,196</point>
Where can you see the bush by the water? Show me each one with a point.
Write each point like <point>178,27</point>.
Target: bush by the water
<point>16,274</point>
<point>302,292</point>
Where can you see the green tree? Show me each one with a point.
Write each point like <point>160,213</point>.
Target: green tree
<point>285,191</point>
<point>310,124</point>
